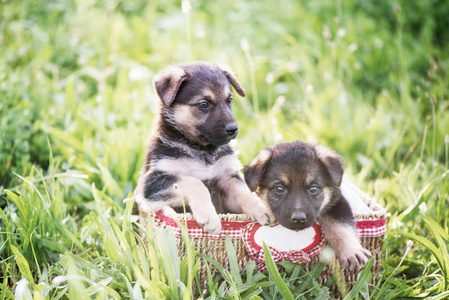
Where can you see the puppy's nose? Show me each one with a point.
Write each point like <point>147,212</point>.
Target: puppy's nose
<point>231,129</point>
<point>299,217</point>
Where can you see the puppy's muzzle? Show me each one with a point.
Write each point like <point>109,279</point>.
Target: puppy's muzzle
<point>296,220</point>
<point>231,129</point>
<point>299,218</point>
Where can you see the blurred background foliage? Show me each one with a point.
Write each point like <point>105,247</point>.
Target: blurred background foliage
<point>367,78</point>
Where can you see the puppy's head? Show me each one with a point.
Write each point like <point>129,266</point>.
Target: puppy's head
<point>296,179</point>
<point>196,100</point>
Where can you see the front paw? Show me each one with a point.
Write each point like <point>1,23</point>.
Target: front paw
<point>259,212</point>
<point>210,223</point>
<point>353,258</point>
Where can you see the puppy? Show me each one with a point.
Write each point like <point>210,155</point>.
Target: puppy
<point>188,159</point>
<point>300,182</point>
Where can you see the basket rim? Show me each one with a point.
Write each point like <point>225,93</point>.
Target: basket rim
<point>377,212</point>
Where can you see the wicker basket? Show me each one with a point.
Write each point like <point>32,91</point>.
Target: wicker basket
<point>371,227</point>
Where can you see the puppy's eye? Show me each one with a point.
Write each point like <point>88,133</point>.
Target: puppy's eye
<point>279,189</point>
<point>313,189</point>
<point>203,104</point>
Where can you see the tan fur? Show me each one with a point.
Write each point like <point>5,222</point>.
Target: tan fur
<point>285,180</point>
<point>196,194</point>
<point>345,242</point>
<point>209,94</point>
<point>190,191</point>
<point>327,197</point>
<point>261,158</point>
<point>168,80</point>
<point>187,121</point>
<point>310,176</point>
<point>232,79</point>
<point>241,200</point>
<point>323,152</point>
<point>263,194</point>
<point>333,162</point>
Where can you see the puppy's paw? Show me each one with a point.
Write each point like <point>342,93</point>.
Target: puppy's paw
<point>211,223</point>
<point>259,212</point>
<point>353,258</point>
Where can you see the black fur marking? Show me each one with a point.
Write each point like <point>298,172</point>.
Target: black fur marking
<point>180,210</point>
<point>207,154</point>
<point>237,176</point>
<point>223,151</point>
<point>339,209</point>
<point>217,194</point>
<point>157,184</point>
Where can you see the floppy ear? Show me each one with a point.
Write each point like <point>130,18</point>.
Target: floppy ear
<point>254,171</point>
<point>333,163</point>
<point>167,83</point>
<point>231,77</point>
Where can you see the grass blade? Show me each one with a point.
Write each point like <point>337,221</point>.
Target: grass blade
<point>274,273</point>
<point>443,295</point>
<point>439,234</point>
<point>170,258</point>
<point>77,290</point>
<point>233,264</point>
<point>22,263</point>
<point>440,254</point>
<point>363,279</point>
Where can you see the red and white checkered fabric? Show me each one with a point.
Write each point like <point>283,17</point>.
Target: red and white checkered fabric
<point>301,256</point>
<point>245,230</point>
<point>371,228</point>
<point>232,228</point>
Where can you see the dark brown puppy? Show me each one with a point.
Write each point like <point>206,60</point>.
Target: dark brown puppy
<point>188,157</point>
<point>301,183</point>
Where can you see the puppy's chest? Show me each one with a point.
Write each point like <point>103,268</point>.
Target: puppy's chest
<point>224,166</point>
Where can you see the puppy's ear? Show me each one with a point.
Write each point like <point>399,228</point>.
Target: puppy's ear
<point>333,163</point>
<point>167,83</point>
<point>254,171</point>
<point>231,77</point>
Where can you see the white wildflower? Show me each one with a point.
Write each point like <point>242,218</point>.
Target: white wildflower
<point>309,88</point>
<point>423,207</point>
<point>352,47</point>
<point>138,73</point>
<point>186,6</point>
<point>379,43</point>
<point>326,32</point>
<point>269,78</point>
<point>341,32</point>
<point>244,45</point>
<point>409,243</point>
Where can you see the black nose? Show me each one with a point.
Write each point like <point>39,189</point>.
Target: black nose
<point>231,129</point>
<point>299,217</point>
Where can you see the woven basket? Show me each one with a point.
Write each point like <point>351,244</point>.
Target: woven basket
<point>371,227</point>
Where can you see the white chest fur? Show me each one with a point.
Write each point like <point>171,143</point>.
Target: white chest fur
<point>228,164</point>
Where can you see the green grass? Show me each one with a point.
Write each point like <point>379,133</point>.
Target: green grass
<point>367,78</point>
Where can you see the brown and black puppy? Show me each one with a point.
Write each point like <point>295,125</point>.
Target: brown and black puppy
<point>301,184</point>
<point>188,157</point>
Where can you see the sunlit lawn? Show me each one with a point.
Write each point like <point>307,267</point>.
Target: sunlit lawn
<point>366,78</point>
